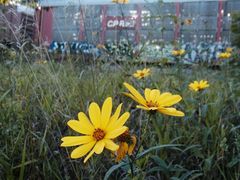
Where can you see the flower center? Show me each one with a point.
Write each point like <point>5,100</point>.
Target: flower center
<point>142,74</point>
<point>98,134</point>
<point>152,104</point>
<point>124,136</point>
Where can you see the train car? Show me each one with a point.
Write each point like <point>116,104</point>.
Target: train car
<point>136,20</point>
<point>17,23</point>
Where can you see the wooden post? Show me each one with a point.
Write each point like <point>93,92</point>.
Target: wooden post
<point>104,23</point>
<point>138,23</point>
<point>219,20</point>
<point>46,25</point>
<point>82,27</point>
<point>177,26</point>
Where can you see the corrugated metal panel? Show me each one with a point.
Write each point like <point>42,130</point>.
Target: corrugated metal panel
<point>97,2</point>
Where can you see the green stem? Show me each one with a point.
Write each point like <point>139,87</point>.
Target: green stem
<point>131,166</point>
<point>143,133</point>
<point>199,113</point>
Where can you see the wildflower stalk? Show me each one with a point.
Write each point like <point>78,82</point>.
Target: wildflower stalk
<point>143,133</point>
<point>200,105</point>
<point>130,161</point>
<point>199,112</point>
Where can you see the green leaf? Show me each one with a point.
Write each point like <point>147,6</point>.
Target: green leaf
<point>113,168</point>
<point>188,174</point>
<point>154,148</point>
<point>208,163</point>
<point>159,161</point>
<point>234,161</point>
<point>191,147</point>
<point>22,165</point>
<point>5,94</point>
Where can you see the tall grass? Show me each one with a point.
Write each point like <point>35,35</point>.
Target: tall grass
<point>36,101</point>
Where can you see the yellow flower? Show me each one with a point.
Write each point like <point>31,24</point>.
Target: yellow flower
<point>139,74</point>
<point>178,52</point>
<point>100,46</point>
<point>229,50</point>
<point>198,86</point>
<point>126,146</point>
<point>99,132</point>
<point>224,55</point>
<point>120,1</point>
<point>188,21</point>
<point>155,101</point>
<point>41,62</point>
<point>4,2</point>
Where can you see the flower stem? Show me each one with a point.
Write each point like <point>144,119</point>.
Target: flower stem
<point>143,133</point>
<point>199,113</point>
<point>131,166</point>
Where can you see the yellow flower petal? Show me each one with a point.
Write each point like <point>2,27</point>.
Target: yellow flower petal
<point>75,140</point>
<point>170,100</point>
<point>106,112</point>
<point>163,96</point>
<point>154,94</point>
<point>84,121</point>
<point>115,133</point>
<point>95,114</point>
<point>98,149</point>
<point>132,97</point>
<point>89,155</point>
<point>78,127</point>
<point>171,112</point>
<point>109,144</point>
<point>132,146</point>
<point>147,108</point>
<point>120,122</point>
<point>135,93</point>
<point>147,92</point>
<point>122,151</point>
<point>114,117</point>
<point>82,150</point>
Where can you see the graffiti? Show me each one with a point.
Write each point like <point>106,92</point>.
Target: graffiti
<point>120,22</point>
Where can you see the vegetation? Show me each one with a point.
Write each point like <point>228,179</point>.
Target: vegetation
<point>38,98</point>
<point>235,28</point>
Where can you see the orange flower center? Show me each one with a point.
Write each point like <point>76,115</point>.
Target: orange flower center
<point>98,134</point>
<point>124,137</point>
<point>142,74</point>
<point>152,104</point>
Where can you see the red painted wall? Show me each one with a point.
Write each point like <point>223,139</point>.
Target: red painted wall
<point>138,24</point>
<point>177,26</point>
<point>219,21</point>
<point>45,25</point>
<point>104,23</point>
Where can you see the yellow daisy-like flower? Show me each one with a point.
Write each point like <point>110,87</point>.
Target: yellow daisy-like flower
<point>140,74</point>
<point>101,46</point>
<point>4,2</point>
<point>224,55</point>
<point>198,86</point>
<point>126,146</point>
<point>178,52</point>
<point>155,101</point>
<point>229,50</point>
<point>188,21</point>
<point>98,132</point>
<point>120,1</point>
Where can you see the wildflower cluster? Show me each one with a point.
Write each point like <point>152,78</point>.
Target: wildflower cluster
<point>198,86</point>
<point>103,129</point>
<point>178,52</point>
<point>99,132</point>
<point>224,55</point>
<point>140,74</point>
